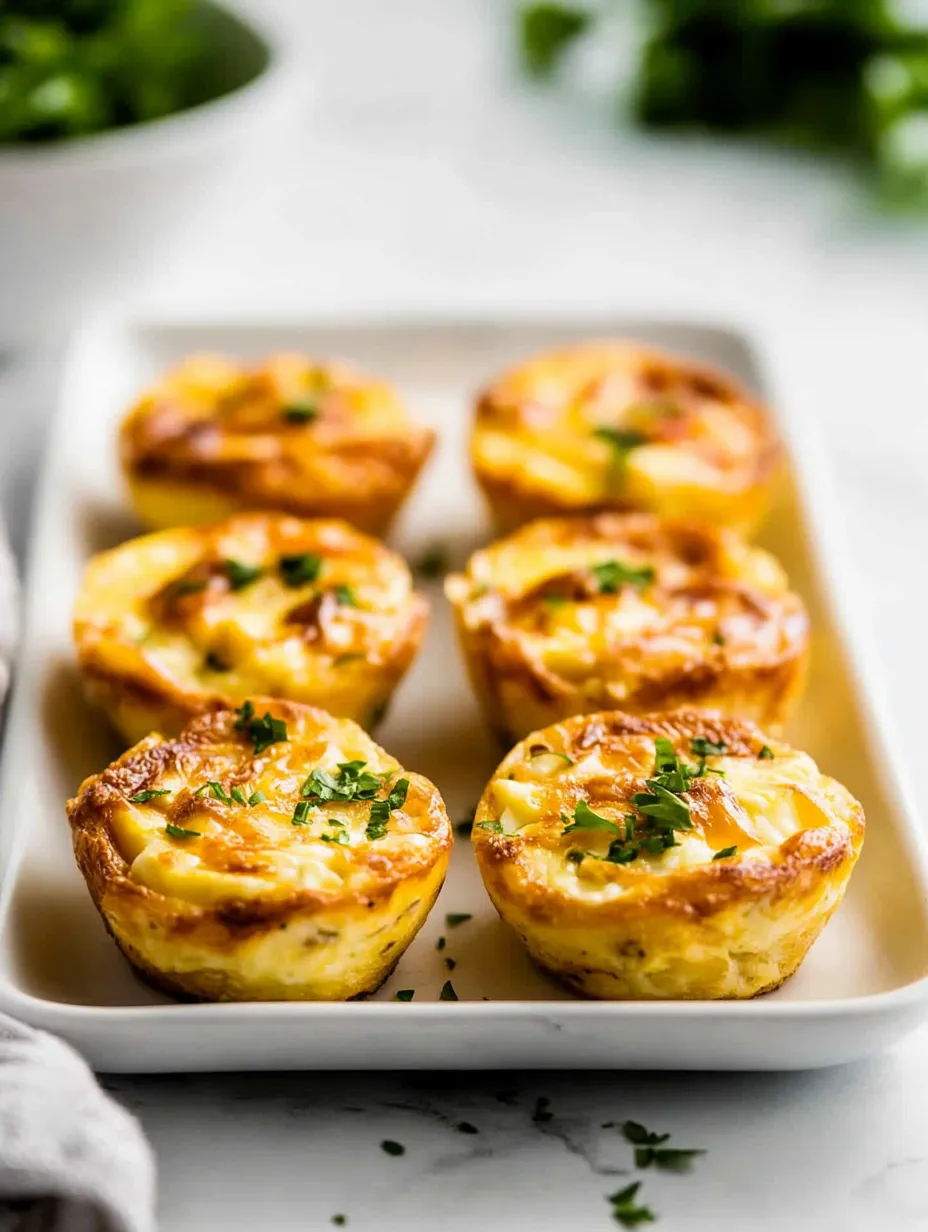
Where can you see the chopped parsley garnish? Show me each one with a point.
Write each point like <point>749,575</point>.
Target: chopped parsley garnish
<point>142,797</point>
<point>701,747</point>
<point>542,750</point>
<point>351,782</point>
<point>381,809</point>
<point>256,797</point>
<point>766,753</point>
<point>547,31</point>
<point>241,575</point>
<point>301,412</point>
<point>454,918</point>
<point>662,807</point>
<point>495,827</point>
<point>180,832</point>
<point>339,1221</point>
<point>450,963</point>
<point>404,994</point>
<point>541,1112</point>
<point>300,568</point>
<point>301,815</point>
<point>189,586</point>
<point>718,639</point>
<point>392,1148</point>
<point>215,662</point>
<point>622,440</point>
<point>238,796</point>
<point>264,731</point>
<point>441,943</point>
<point>465,1127</point>
<point>433,563</point>
<point>725,853</point>
<point>344,596</point>
<point>204,787</point>
<point>447,992</point>
<point>585,819</point>
<point>625,1207</point>
<point>650,1149</point>
<point>613,574</point>
<point>341,837</point>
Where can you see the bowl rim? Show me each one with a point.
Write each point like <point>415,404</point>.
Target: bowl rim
<point>179,129</point>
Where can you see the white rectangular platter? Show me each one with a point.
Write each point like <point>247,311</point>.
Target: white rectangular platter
<point>864,982</point>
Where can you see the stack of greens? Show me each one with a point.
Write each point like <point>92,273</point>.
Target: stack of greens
<point>71,67</point>
<point>838,75</point>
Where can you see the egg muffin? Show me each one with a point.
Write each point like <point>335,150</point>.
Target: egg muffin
<point>631,612</point>
<point>615,425</point>
<point>183,621</point>
<point>213,437</point>
<point>667,856</point>
<point>269,852</point>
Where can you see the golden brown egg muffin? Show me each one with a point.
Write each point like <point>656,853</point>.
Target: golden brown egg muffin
<point>271,852</point>
<point>314,439</point>
<point>183,621</point>
<point>669,856</point>
<point>615,425</point>
<point>631,612</point>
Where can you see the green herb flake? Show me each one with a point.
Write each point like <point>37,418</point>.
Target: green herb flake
<point>725,853</point>
<point>672,1159</point>
<point>241,575</point>
<point>447,992</point>
<point>547,30</point>
<point>142,797</point>
<point>300,412</point>
<point>201,790</point>
<point>625,1207</point>
<point>301,814</point>
<point>381,809</point>
<point>450,963</point>
<point>611,575</point>
<point>339,1221</point>
<point>494,827</point>
<point>238,796</point>
<point>392,1148</point>
<point>344,596</point>
<point>189,586</point>
<point>718,639</point>
<point>256,797</point>
<point>454,918</point>
<point>662,807</point>
<point>404,994</point>
<point>299,568</point>
<point>350,782</point>
<point>765,753</point>
<point>217,791</point>
<point>701,747</point>
<point>441,943</point>
<point>585,819</point>
<point>180,832</point>
<point>622,440</point>
<point>465,1127</point>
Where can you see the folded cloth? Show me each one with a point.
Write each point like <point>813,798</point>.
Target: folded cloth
<point>71,1159</point>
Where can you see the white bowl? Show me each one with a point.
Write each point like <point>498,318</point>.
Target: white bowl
<point>82,219</point>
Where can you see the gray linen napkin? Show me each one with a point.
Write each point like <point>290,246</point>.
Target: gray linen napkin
<point>71,1159</point>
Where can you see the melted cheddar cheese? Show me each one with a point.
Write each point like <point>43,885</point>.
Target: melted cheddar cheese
<point>313,439</point>
<point>180,621</point>
<point>233,868</point>
<point>613,425</point>
<point>628,875</point>
<point>627,611</point>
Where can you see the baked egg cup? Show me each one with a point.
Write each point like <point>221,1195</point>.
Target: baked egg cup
<point>183,621</point>
<point>213,437</point>
<point>270,852</point>
<point>627,611</point>
<point>668,856</point>
<point>615,425</point>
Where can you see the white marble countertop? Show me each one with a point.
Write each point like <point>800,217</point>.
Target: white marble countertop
<point>424,172</point>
